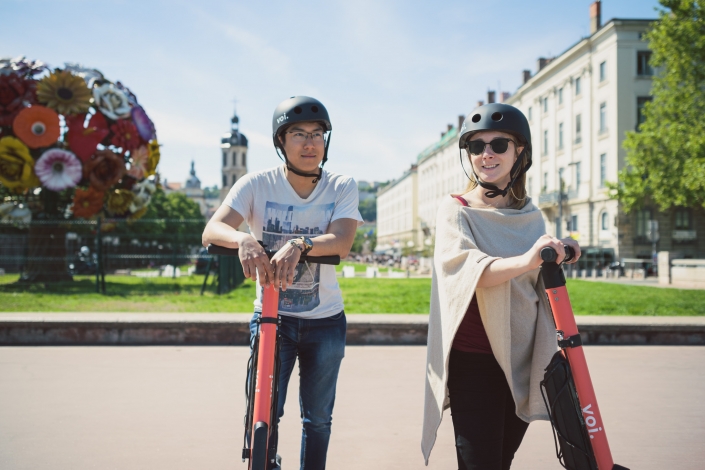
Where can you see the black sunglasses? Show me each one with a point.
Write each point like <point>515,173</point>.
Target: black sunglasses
<point>498,145</point>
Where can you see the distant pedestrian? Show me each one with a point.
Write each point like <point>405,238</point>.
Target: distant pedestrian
<point>491,332</point>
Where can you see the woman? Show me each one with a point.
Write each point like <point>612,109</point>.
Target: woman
<point>491,332</point>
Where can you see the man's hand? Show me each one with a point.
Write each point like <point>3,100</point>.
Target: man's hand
<point>284,263</point>
<point>254,260</point>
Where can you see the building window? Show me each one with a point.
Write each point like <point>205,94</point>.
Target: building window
<point>225,159</point>
<point>529,113</point>
<point>545,104</point>
<point>643,68</point>
<point>604,221</point>
<point>544,187</point>
<point>603,71</point>
<point>561,182</point>
<point>244,159</point>
<point>225,181</point>
<point>682,219</point>
<point>603,170</point>
<point>234,158</point>
<point>234,178</point>
<point>640,102</point>
<point>573,223</point>
<point>577,176</point>
<point>578,129</point>
<point>603,118</point>
<point>560,96</point>
<point>545,142</point>
<point>643,222</point>
<point>577,86</point>
<point>560,135</point>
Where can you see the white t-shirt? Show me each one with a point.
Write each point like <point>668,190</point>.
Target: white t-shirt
<point>275,213</point>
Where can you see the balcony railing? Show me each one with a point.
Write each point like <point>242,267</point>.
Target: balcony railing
<point>684,236</point>
<point>552,197</point>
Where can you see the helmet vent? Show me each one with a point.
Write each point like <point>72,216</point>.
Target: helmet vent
<point>497,117</point>
<point>476,118</point>
<point>314,108</point>
<point>298,110</point>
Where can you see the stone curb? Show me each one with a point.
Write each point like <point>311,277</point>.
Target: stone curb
<point>156,329</point>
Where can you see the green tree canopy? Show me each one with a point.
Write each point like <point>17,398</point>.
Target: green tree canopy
<point>170,217</point>
<point>368,209</point>
<point>666,156</point>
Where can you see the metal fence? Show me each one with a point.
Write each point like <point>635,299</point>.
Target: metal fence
<point>56,251</point>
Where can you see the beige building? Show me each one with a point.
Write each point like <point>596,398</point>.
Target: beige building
<point>580,106</point>
<point>397,214</point>
<point>440,174</point>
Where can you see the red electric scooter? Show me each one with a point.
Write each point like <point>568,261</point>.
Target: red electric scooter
<point>263,371</point>
<point>571,403</point>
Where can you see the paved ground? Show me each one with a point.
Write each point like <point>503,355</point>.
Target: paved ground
<point>181,408</point>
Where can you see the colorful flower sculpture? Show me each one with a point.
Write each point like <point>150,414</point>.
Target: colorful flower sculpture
<point>84,140</point>
<point>37,126</point>
<point>16,165</point>
<point>103,164</point>
<point>64,92</point>
<point>58,169</point>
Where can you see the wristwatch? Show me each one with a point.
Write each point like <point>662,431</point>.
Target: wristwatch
<point>308,244</point>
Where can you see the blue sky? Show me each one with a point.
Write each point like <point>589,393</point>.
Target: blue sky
<point>392,74</point>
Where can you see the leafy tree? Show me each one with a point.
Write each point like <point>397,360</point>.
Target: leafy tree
<point>666,157</point>
<point>211,192</point>
<point>368,209</point>
<point>361,236</point>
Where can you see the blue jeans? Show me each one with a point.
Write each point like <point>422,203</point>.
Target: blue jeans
<point>320,347</point>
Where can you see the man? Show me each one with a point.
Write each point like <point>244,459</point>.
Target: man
<point>297,208</point>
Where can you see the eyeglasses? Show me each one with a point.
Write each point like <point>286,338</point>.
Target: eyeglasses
<point>498,145</point>
<point>300,136</point>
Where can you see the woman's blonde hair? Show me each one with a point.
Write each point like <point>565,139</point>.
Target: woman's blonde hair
<point>517,193</point>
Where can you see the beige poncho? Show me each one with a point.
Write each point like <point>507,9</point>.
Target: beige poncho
<point>515,314</point>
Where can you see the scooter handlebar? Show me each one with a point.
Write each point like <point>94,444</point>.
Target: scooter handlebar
<point>221,250</point>
<point>549,254</point>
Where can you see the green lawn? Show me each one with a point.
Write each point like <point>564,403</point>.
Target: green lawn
<point>361,295</point>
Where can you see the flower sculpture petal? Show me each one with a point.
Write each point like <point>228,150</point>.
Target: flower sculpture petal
<point>37,126</point>
<point>58,169</point>
<point>139,162</point>
<point>144,125</point>
<point>104,169</point>
<point>87,202</point>
<point>125,135</point>
<point>119,201</point>
<point>154,156</point>
<point>15,93</point>
<point>142,195</point>
<point>64,92</point>
<point>111,101</point>
<point>84,140</point>
<point>137,215</point>
<point>16,165</point>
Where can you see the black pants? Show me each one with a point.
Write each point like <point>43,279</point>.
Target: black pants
<point>487,429</point>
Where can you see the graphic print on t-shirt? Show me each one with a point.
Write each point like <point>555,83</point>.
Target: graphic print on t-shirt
<point>283,222</point>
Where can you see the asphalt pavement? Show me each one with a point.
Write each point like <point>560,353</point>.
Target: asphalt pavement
<point>175,407</point>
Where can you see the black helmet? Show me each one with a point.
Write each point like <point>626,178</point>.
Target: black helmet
<point>299,109</point>
<point>503,118</point>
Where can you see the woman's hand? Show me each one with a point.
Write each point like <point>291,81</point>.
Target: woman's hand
<point>576,248</point>
<point>254,260</point>
<point>284,263</point>
<point>532,257</point>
